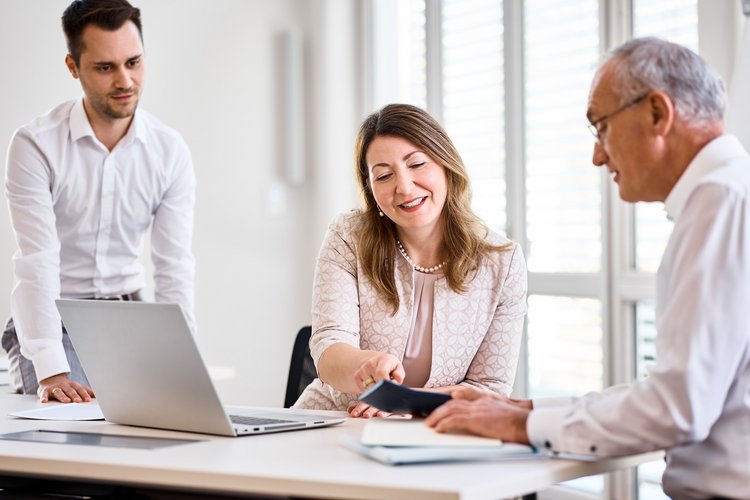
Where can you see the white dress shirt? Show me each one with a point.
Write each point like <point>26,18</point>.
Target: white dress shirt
<point>695,402</point>
<point>80,212</point>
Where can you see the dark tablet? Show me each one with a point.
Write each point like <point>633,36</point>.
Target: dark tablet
<point>396,398</point>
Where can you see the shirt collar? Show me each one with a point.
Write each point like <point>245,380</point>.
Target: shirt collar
<point>712,156</point>
<point>81,127</point>
<point>137,129</point>
<point>79,122</point>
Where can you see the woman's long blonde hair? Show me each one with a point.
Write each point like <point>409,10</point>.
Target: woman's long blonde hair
<point>464,233</point>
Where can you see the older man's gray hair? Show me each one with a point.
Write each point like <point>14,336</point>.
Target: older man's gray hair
<point>645,64</point>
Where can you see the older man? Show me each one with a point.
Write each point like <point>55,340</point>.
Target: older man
<point>656,110</point>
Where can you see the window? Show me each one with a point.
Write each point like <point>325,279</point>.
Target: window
<point>563,189</point>
<point>473,98</point>
<point>509,80</point>
<point>565,352</point>
<point>398,51</point>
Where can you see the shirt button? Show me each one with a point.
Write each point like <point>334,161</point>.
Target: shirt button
<point>593,448</point>
<point>547,444</point>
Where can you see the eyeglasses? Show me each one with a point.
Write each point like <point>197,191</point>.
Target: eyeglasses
<point>596,131</point>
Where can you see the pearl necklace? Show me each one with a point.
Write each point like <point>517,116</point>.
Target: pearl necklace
<point>415,265</point>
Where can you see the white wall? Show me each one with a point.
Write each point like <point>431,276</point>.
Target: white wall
<point>213,74</point>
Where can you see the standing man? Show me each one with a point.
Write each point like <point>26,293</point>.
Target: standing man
<point>656,110</point>
<point>83,183</point>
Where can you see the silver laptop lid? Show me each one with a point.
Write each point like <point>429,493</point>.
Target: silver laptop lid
<point>144,365</point>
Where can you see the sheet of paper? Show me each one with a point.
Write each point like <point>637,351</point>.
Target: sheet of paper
<point>413,432</point>
<point>70,411</point>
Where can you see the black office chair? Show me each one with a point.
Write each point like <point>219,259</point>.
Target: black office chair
<point>301,368</point>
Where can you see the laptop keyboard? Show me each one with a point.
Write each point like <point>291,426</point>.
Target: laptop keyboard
<point>243,420</point>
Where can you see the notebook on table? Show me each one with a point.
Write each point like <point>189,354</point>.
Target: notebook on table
<point>396,441</point>
<point>145,369</point>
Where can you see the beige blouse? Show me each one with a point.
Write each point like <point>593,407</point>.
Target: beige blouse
<point>418,354</point>
<point>476,335</point>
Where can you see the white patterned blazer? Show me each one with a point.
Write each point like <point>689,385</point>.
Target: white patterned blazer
<point>476,335</point>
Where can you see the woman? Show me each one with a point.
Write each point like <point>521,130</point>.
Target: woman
<point>413,287</point>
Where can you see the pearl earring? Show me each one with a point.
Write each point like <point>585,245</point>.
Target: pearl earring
<point>380,212</point>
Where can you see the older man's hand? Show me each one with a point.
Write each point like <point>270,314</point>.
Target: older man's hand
<point>482,414</point>
<point>471,393</point>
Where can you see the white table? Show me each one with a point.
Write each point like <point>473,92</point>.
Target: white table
<point>307,463</point>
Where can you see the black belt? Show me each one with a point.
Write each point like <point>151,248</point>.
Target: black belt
<point>134,296</point>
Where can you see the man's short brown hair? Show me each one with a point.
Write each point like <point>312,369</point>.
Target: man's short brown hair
<point>108,15</point>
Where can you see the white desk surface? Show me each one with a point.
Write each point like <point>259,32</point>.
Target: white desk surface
<point>307,463</point>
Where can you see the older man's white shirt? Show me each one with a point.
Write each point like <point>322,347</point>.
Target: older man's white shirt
<point>695,401</point>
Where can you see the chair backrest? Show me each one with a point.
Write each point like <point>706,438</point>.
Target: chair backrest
<point>301,368</point>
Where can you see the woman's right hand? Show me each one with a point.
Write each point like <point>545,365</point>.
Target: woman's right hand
<point>380,366</point>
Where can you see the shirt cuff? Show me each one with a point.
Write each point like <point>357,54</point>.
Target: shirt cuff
<point>50,361</point>
<point>544,427</point>
<point>546,430</point>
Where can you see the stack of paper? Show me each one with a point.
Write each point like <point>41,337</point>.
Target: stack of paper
<point>404,441</point>
<point>63,411</point>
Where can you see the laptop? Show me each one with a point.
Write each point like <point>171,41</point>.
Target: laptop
<point>146,370</point>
